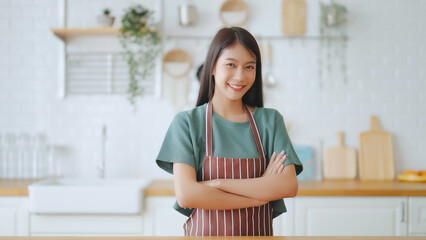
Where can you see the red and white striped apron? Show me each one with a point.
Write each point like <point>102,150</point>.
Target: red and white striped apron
<point>252,221</point>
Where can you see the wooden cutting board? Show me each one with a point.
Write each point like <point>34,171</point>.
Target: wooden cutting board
<point>293,17</point>
<point>340,161</point>
<point>376,153</point>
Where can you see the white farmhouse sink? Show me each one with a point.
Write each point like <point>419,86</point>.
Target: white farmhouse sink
<point>92,196</point>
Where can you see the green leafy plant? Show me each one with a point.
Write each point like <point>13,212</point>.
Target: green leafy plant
<point>107,11</point>
<point>140,41</point>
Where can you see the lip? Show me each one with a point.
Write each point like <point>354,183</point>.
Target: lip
<point>236,89</point>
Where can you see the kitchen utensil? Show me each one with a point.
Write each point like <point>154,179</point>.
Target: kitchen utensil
<point>293,17</point>
<point>376,155</point>
<point>269,78</point>
<point>187,15</point>
<point>340,161</point>
<point>177,63</point>
<point>233,12</point>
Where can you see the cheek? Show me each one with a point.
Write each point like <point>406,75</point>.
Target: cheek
<point>252,76</point>
<point>222,74</point>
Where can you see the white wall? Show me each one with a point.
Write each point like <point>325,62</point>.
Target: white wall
<point>385,58</point>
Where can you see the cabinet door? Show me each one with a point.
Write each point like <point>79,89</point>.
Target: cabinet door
<point>351,216</point>
<point>417,216</point>
<point>160,219</point>
<point>80,225</point>
<point>13,216</point>
<point>284,224</point>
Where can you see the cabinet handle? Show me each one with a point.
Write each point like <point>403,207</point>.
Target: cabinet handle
<point>403,212</point>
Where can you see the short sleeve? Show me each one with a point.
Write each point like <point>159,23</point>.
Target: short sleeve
<point>177,145</point>
<point>282,142</point>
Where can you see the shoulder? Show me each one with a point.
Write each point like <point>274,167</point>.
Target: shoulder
<point>267,114</point>
<point>191,116</point>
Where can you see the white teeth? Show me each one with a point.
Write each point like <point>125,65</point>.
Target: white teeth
<point>235,86</point>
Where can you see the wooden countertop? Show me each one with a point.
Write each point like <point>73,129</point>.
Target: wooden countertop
<point>165,187</point>
<point>14,187</point>
<point>214,238</point>
<point>324,188</point>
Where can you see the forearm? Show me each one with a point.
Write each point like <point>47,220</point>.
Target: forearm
<point>193,194</point>
<point>198,195</point>
<point>266,188</point>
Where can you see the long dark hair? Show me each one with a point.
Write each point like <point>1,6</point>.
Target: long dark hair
<point>226,37</point>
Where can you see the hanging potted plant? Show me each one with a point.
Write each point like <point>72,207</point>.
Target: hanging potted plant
<point>140,40</point>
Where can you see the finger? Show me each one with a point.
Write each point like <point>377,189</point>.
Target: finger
<point>279,160</point>
<point>282,153</point>
<point>279,156</point>
<point>282,160</point>
<point>281,169</point>
<point>272,157</point>
<point>279,163</point>
<point>270,164</point>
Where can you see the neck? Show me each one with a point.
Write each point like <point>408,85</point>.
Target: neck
<point>227,108</point>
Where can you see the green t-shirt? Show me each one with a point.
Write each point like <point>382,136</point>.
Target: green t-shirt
<point>185,142</point>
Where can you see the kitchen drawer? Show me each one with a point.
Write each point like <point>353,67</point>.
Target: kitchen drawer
<point>85,224</point>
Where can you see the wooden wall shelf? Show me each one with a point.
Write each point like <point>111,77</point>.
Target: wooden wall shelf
<point>64,33</point>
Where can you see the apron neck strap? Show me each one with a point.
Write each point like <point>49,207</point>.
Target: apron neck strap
<point>208,134</point>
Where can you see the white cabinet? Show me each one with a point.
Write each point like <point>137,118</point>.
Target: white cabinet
<point>13,216</point>
<point>85,225</point>
<point>417,216</point>
<point>306,216</point>
<point>351,216</point>
<point>284,224</point>
<point>160,219</point>
<point>310,216</point>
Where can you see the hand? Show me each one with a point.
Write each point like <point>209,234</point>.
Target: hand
<point>275,165</point>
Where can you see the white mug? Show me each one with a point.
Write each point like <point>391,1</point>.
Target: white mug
<point>187,15</point>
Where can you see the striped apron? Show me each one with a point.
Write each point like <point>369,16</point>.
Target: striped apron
<point>252,221</point>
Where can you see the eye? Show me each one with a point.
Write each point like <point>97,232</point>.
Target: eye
<point>251,67</point>
<point>230,64</point>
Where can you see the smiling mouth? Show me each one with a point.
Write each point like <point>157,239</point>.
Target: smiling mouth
<point>236,87</point>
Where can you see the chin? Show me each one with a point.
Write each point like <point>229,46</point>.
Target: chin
<point>235,98</point>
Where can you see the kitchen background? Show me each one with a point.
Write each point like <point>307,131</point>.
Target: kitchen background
<point>385,61</point>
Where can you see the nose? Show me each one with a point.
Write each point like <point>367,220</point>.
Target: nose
<point>239,73</point>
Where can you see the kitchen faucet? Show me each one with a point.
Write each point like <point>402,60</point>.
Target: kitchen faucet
<point>101,163</point>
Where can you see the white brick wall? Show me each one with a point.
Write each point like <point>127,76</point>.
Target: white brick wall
<point>385,59</point>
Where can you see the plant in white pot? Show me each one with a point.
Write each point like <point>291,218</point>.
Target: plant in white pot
<point>140,41</point>
<point>106,20</point>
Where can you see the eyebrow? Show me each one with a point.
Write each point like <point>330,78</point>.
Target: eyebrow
<point>233,59</point>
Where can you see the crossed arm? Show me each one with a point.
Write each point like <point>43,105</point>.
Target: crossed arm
<point>277,182</point>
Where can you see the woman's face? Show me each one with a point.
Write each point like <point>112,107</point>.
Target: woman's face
<point>234,72</point>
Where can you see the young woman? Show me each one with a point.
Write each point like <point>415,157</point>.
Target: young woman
<point>217,151</point>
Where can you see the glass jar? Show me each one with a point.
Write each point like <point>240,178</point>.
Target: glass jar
<point>39,157</point>
<point>11,156</point>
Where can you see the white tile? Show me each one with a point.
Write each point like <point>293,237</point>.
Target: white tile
<point>385,65</point>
